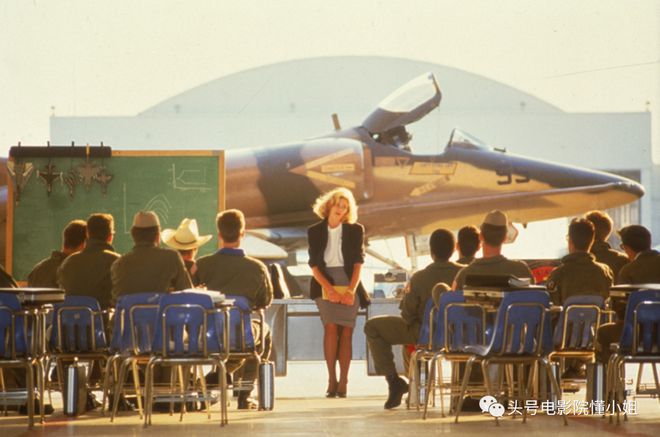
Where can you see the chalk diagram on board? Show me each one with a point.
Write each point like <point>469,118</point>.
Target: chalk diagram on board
<point>189,179</point>
<point>159,204</point>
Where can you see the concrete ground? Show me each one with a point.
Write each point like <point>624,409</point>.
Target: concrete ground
<point>301,409</point>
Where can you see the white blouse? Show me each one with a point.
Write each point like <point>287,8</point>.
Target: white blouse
<point>332,254</point>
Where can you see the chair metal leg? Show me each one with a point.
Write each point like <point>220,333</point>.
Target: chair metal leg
<point>202,383</point>
<point>148,393</point>
<point>429,383</point>
<point>40,384</point>
<point>110,366</point>
<point>119,383</point>
<point>30,394</point>
<point>555,384</point>
<point>412,380</point>
<point>438,363</point>
<point>655,379</point>
<point>2,388</point>
<point>136,385</point>
<point>224,415</point>
<point>466,376</point>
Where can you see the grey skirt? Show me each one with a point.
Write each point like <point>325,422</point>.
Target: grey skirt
<point>338,313</point>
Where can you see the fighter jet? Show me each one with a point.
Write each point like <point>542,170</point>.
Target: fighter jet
<point>400,192</point>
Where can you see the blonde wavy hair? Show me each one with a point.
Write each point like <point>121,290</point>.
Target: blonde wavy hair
<point>326,201</point>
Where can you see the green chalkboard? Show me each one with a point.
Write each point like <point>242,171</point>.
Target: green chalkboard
<point>173,184</point>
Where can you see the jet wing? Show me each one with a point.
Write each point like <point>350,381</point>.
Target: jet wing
<point>419,216</point>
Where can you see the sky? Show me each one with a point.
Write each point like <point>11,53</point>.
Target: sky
<point>93,57</point>
<point>117,58</point>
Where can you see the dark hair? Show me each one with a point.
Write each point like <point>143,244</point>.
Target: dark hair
<point>230,224</point>
<point>636,237</point>
<point>74,234</point>
<point>581,233</point>
<point>145,235</point>
<point>442,243</point>
<point>493,235</point>
<point>100,226</point>
<point>602,224</point>
<point>186,252</point>
<point>468,240</point>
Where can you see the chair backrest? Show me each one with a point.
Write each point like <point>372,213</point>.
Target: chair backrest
<point>646,338</point>
<point>280,287</point>
<point>78,326</point>
<point>639,325</point>
<point>578,323</point>
<point>183,327</point>
<point>521,326</point>
<point>13,328</point>
<point>463,324</point>
<point>135,323</point>
<point>241,338</point>
<point>424,330</point>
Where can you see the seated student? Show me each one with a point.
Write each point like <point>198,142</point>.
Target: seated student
<point>601,248</point>
<point>644,268</point>
<point>231,271</point>
<point>147,267</point>
<point>186,240</point>
<point>87,273</point>
<point>579,273</point>
<point>492,237</point>
<point>384,331</point>
<point>44,274</point>
<point>468,244</point>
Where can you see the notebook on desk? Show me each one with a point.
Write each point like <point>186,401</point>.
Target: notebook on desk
<point>496,281</point>
<point>216,296</point>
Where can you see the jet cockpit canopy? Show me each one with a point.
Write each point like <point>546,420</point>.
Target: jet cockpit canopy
<point>459,138</point>
<point>404,106</point>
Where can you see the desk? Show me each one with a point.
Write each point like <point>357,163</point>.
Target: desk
<point>622,291</point>
<point>297,331</point>
<point>32,296</point>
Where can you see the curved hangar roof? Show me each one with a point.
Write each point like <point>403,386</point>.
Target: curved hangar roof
<point>352,84</point>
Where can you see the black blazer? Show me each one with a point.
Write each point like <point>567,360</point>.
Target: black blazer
<point>352,250</point>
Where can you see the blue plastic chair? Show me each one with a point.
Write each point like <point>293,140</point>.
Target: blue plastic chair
<point>16,349</point>
<point>576,331</point>
<point>187,335</point>
<point>241,338</point>
<point>136,316</point>
<point>640,342</point>
<point>78,334</point>
<point>521,336</point>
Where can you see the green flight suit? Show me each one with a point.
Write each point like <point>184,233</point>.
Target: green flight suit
<point>148,268</point>
<point>44,274</point>
<point>644,269</point>
<point>579,273</point>
<point>606,255</point>
<point>232,272</point>
<point>495,265</point>
<point>384,331</point>
<point>87,273</point>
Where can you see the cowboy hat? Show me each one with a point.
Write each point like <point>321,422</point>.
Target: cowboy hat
<point>185,237</point>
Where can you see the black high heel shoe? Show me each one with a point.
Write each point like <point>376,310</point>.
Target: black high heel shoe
<point>342,394</point>
<point>332,390</point>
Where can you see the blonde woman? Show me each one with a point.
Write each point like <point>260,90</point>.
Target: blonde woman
<point>336,255</point>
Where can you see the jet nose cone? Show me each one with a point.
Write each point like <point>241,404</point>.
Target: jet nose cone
<point>631,187</point>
